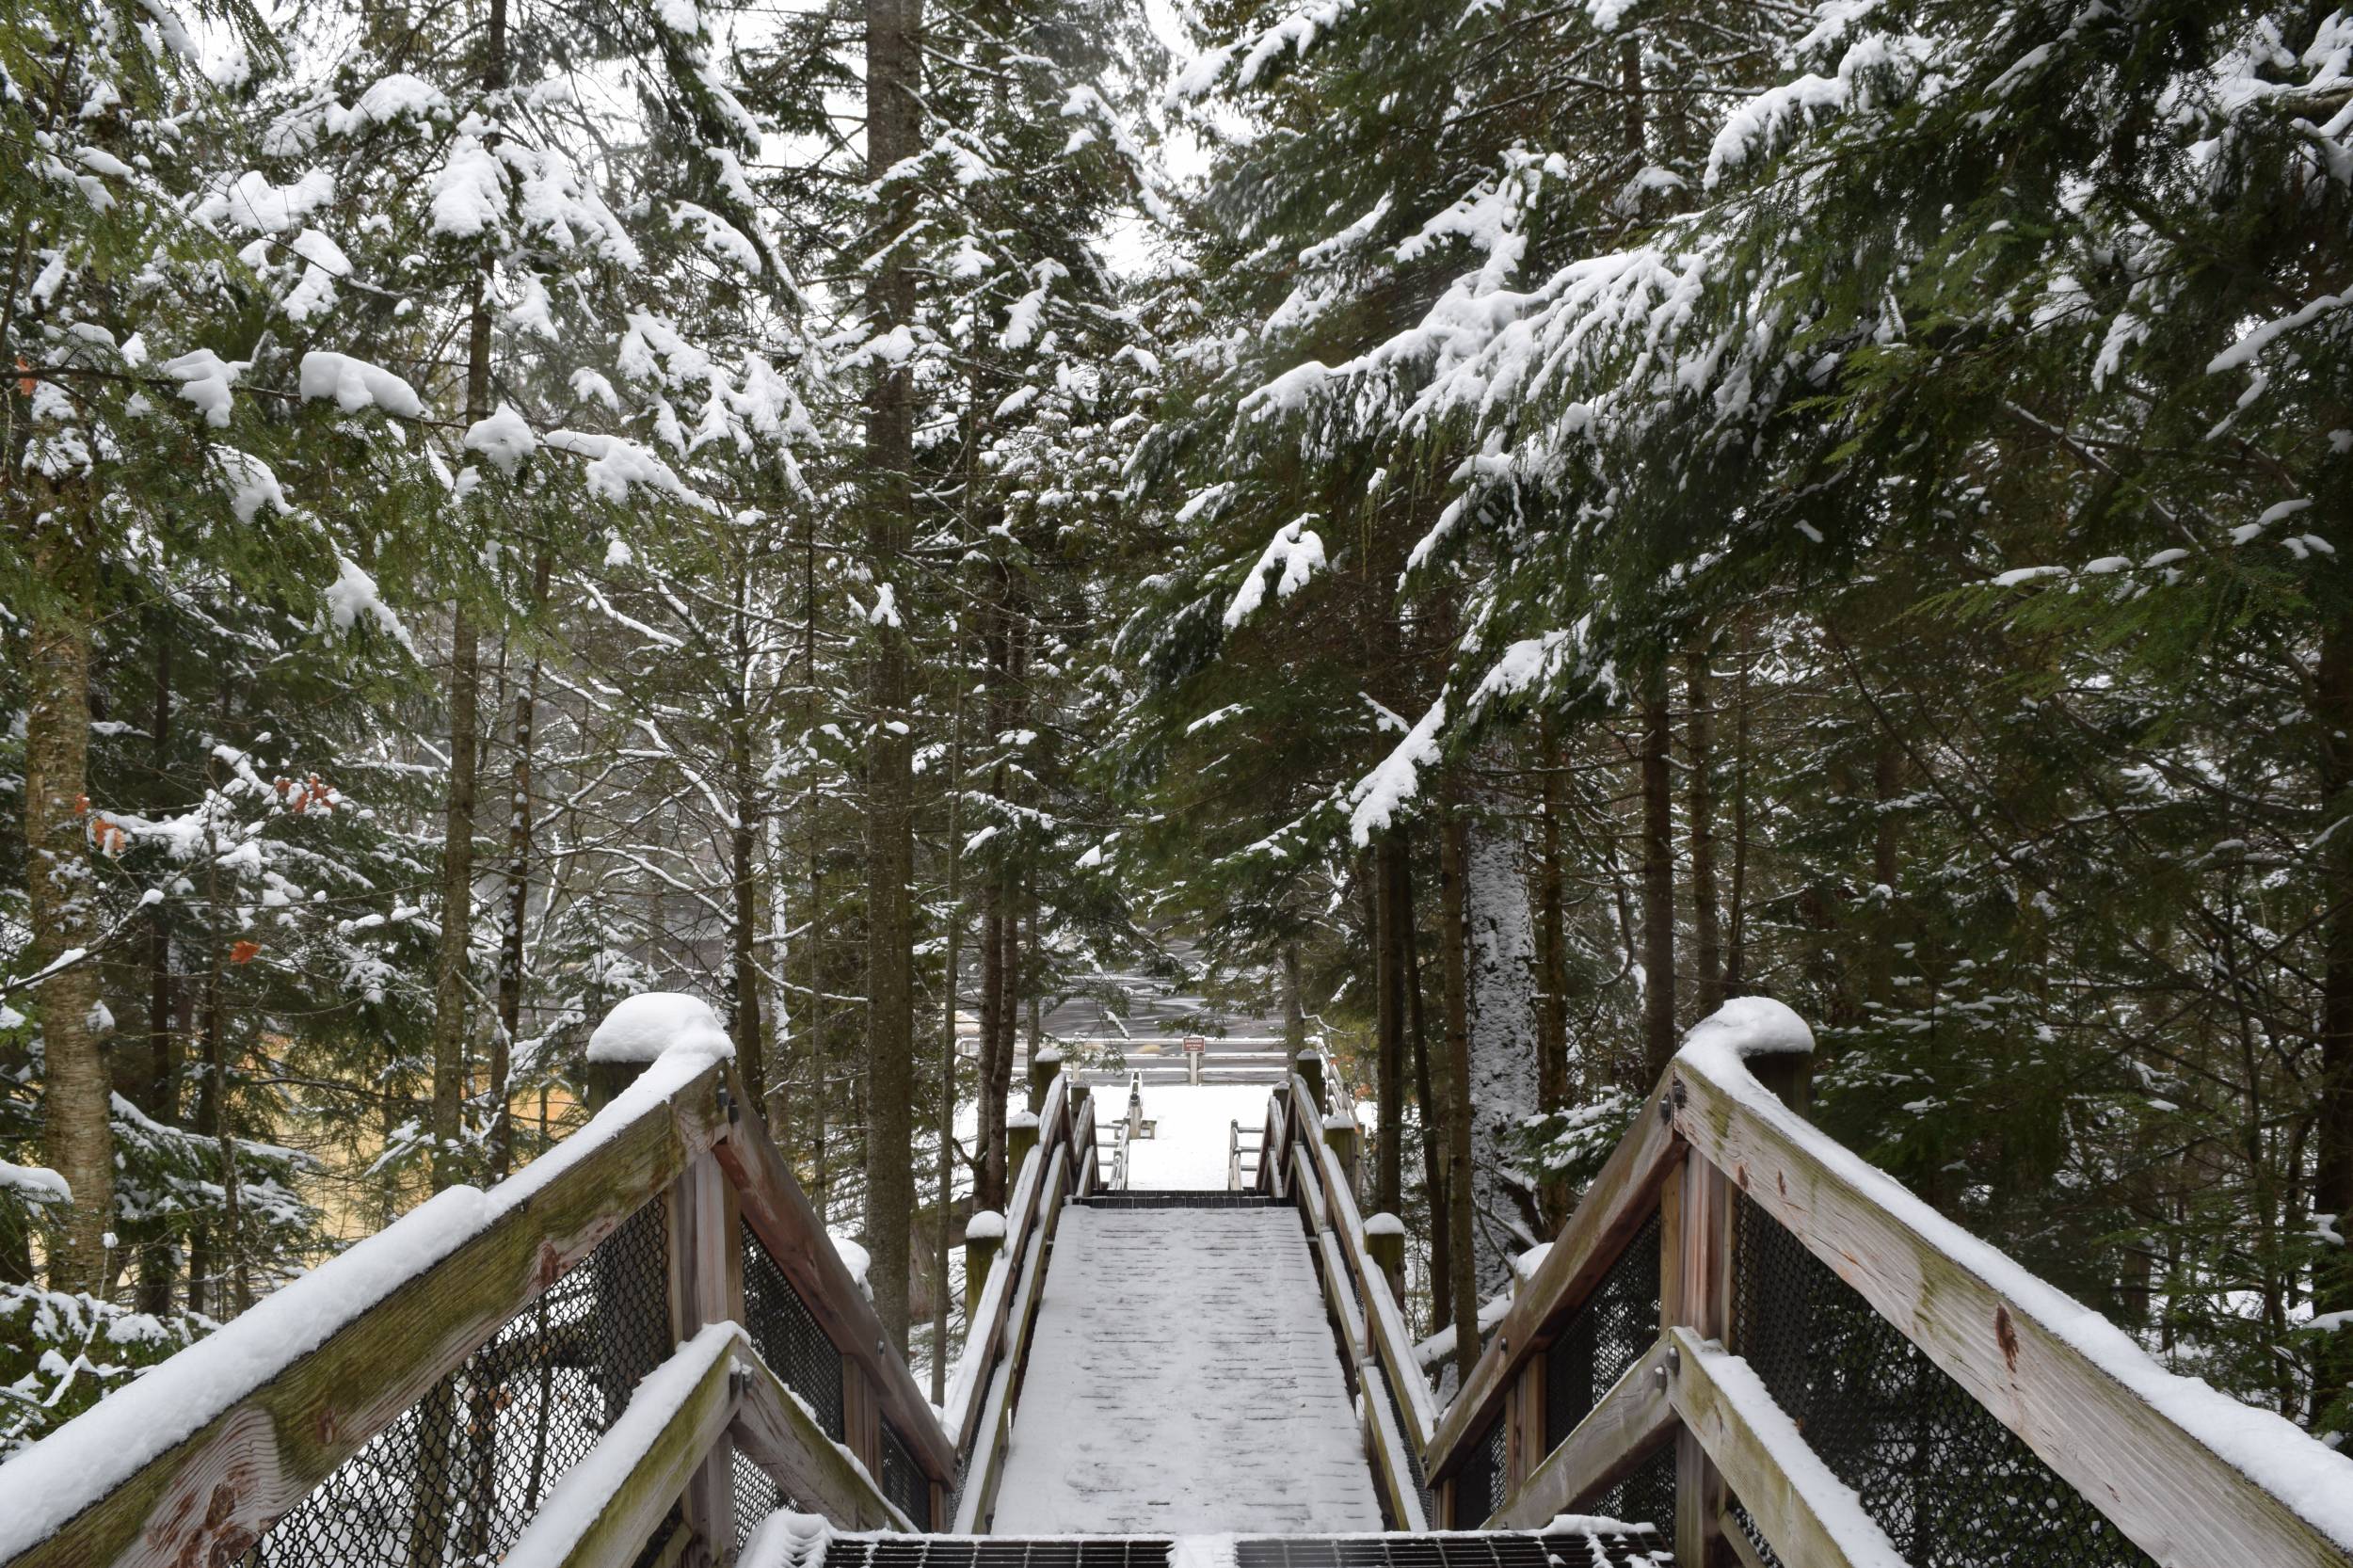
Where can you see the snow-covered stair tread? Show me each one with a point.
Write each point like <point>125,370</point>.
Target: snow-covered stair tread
<point>1183,1380</point>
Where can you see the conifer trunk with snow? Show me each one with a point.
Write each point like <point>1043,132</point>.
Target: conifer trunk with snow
<point>1658,885</point>
<point>1552,1017</point>
<point>1501,953</point>
<point>2333,1172</point>
<point>77,1135</point>
<point>893,125</point>
<point>1460,1284</point>
<point>1390,913</point>
<point>1699,732</point>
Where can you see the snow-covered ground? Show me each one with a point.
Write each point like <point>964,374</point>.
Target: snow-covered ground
<point>1189,1146</point>
<point>1183,1380</point>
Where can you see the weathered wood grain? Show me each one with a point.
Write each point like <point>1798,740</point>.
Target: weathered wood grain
<point>1702,1303</point>
<point>779,1214</point>
<point>1621,1198</point>
<point>1625,1427</point>
<point>213,1494</point>
<point>705,1286</point>
<point>2173,1497</point>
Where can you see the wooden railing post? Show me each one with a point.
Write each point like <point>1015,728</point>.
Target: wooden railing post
<point>1343,1135</point>
<point>1695,1292</point>
<point>1045,1067</point>
<point>1384,1239</point>
<point>984,1237</point>
<point>1021,1138</point>
<point>707,1287</point>
<point>1311,1069</point>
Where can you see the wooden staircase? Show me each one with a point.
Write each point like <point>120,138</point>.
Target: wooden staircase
<point>1745,1340</point>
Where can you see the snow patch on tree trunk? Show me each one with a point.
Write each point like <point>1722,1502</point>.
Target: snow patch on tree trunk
<point>1502,987</point>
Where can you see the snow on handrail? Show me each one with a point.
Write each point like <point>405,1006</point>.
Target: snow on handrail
<point>2199,1470</point>
<point>294,1362</point>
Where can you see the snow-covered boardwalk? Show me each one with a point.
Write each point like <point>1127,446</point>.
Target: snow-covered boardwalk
<point>1184,1381</point>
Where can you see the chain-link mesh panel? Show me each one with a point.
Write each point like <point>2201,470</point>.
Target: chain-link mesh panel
<point>786,1334</point>
<point>1479,1479</point>
<point>903,1479</point>
<point>1645,1496</point>
<point>1951,1485</point>
<point>756,1496</point>
<point>1608,1333</point>
<point>457,1475</point>
<point>1755,1538</point>
<point>1412,1451</point>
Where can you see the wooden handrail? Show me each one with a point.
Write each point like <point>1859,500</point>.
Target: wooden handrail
<point>255,1446</point>
<point>780,1215</point>
<point>984,1460</point>
<point>1805,1511</point>
<point>600,1513</point>
<point>1625,1427</point>
<point>776,1432</point>
<point>2158,1455</point>
<point>1358,1291</point>
<point>2011,1342</point>
<point>1623,1197</point>
<point>985,1331</point>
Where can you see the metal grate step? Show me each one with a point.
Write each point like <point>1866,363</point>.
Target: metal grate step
<point>1205,1199</point>
<point>1461,1549</point>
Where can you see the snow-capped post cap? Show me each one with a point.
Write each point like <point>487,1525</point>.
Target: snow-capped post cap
<point>1023,1119</point>
<point>1045,1067</point>
<point>1764,1036</point>
<point>653,1023</point>
<point>985,1224</point>
<point>1385,1243</point>
<point>1311,1072</point>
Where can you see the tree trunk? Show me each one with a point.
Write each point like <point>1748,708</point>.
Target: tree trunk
<point>1294,1005</point>
<point>1433,1119</point>
<point>744,842</point>
<point>989,1186</point>
<point>1658,885</point>
<point>893,128</point>
<point>2332,1174</point>
<point>77,1131</point>
<point>501,1148</point>
<point>1500,994</point>
<point>1388,923</point>
<point>1552,1003</point>
<point>1699,736</point>
<point>451,1008</point>
<point>1735,948</point>
<point>1462,1279</point>
<point>948,1044</point>
<point>155,1094</point>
